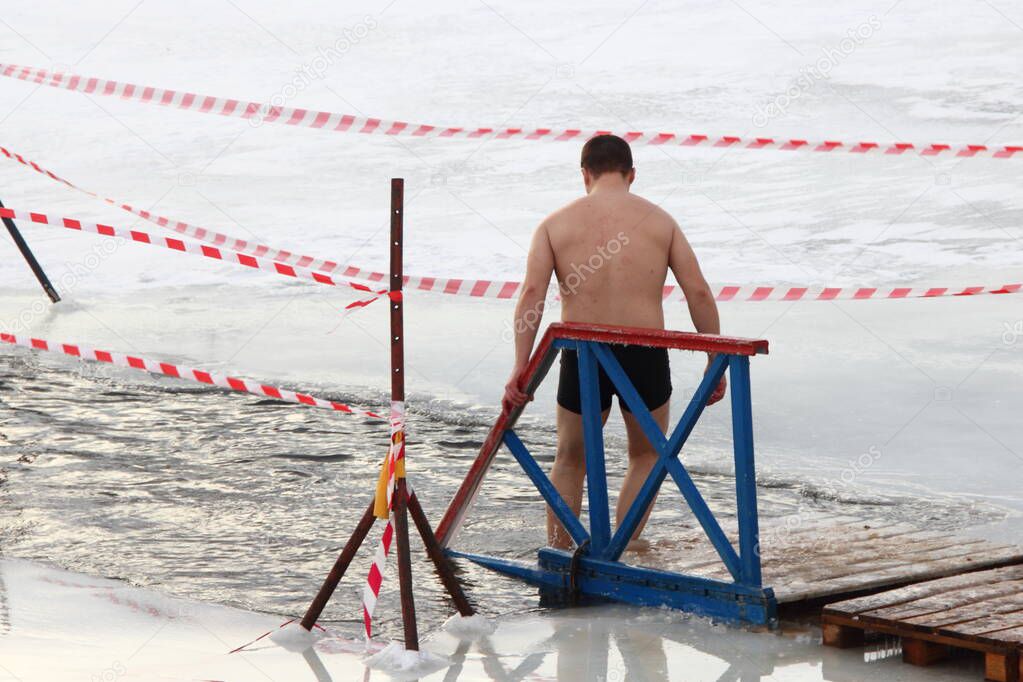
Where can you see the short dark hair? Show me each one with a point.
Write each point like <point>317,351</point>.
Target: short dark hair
<point>607,154</point>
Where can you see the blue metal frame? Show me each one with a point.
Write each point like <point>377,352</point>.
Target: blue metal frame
<point>598,570</point>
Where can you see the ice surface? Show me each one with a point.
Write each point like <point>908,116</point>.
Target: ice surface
<point>57,626</point>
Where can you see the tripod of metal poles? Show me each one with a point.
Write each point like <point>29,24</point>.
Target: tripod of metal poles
<point>404,500</point>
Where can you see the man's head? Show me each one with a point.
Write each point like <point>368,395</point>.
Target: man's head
<point>605,154</point>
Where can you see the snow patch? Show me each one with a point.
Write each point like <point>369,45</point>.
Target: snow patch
<point>395,660</point>
<point>470,627</point>
<point>294,637</point>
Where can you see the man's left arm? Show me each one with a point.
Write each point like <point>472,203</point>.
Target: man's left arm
<point>529,311</point>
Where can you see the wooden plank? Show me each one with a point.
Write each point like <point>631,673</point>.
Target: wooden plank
<point>867,572</point>
<point>962,602</point>
<point>699,554</point>
<point>1008,601</point>
<point>926,589</point>
<point>812,564</point>
<point>1012,636</point>
<point>838,526</point>
<point>790,557</point>
<point>869,558</point>
<point>863,558</point>
<point>845,543</point>
<point>844,528</point>
<point>938,568</point>
<point>1000,627</point>
<point>803,563</point>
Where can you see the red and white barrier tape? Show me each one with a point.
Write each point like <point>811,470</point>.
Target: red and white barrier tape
<point>182,372</point>
<point>196,249</point>
<point>803,293</point>
<point>344,123</point>
<point>507,289</point>
<point>375,577</point>
<point>201,233</point>
<point>475,288</point>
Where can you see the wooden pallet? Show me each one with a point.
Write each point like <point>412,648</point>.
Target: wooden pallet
<point>823,559</point>
<point>980,611</point>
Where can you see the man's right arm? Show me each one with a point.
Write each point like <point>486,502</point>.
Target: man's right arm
<point>703,309</point>
<point>529,310</point>
<point>700,299</point>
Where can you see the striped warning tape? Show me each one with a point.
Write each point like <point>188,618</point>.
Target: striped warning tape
<point>507,289</point>
<point>196,249</point>
<point>479,288</point>
<point>804,293</point>
<point>182,372</point>
<point>326,120</point>
<point>200,233</point>
<point>375,577</point>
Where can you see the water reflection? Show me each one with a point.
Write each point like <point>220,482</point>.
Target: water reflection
<point>621,644</point>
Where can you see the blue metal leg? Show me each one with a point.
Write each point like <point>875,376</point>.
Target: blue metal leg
<point>698,403</point>
<point>546,488</point>
<point>745,472</point>
<point>705,516</point>
<point>593,434</point>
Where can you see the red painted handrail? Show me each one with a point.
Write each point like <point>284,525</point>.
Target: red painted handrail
<point>658,338</point>
<point>540,363</point>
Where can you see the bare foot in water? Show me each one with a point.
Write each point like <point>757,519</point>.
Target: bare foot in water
<point>638,545</point>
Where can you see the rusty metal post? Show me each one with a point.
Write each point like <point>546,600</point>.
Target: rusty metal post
<point>30,258</point>
<point>445,571</point>
<point>408,604</point>
<point>344,559</point>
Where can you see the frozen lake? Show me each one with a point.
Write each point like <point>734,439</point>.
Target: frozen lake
<point>929,389</point>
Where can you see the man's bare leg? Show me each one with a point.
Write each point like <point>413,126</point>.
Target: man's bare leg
<point>642,457</point>
<point>568,473</point>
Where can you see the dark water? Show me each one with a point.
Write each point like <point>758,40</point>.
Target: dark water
<point>231,499</point>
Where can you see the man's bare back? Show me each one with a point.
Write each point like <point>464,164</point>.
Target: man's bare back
<point>611,251</point>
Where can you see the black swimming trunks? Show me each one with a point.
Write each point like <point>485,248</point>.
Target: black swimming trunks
<point>646,367</point>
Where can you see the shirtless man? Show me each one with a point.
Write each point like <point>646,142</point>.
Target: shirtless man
<point>611,251</point>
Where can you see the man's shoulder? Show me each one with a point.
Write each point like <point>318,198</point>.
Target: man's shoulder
<point>563,214</point>
<point>653,212</point>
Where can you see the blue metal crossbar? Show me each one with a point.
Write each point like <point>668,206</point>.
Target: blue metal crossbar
<point>596,569</point>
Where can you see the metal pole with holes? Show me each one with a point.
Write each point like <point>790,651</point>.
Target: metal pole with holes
<point>408,604</point>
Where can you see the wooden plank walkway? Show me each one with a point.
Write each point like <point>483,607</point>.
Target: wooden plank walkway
<point>980,611</point>
<point>834,557</point>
